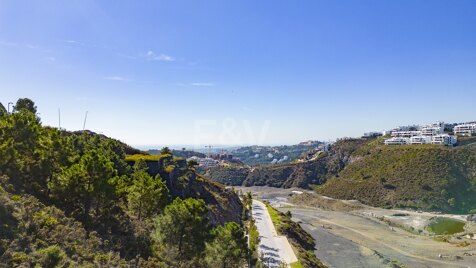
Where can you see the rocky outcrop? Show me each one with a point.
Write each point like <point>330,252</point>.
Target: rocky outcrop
<point>223,204</point>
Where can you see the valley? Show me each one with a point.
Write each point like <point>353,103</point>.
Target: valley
<point>350,234</point>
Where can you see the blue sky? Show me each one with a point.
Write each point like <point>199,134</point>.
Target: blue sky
<point>240,72</point>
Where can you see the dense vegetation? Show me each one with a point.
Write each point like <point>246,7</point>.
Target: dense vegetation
<point>427,177</point>
<point>71,199</point>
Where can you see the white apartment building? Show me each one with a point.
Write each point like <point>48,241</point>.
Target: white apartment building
<point>467,129</point>
<point>406,133</point>
<point>444,139</point>
<point>431,131</point>
<point>397,141</point>
<point>420,140</point>
<point>204,162</point>
<point>439,124</point>
<point>428,134</point>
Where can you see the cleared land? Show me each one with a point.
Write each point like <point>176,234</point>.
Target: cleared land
<point>349,234</point>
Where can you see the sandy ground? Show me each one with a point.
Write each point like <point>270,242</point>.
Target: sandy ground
<point>273,247</point>
<point>349,234</point>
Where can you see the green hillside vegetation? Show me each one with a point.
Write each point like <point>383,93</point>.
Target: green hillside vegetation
<point>70,199</point>
<point>430,177</point>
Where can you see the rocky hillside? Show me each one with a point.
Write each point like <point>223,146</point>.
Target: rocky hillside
<point>233,175</point>
<point>301,174</point>
<point>183,182</point>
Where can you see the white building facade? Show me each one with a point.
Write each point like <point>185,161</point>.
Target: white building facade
<point>444,139</point>
<point>467,129</point>
<point>397,141</point>
<point>428,134</point>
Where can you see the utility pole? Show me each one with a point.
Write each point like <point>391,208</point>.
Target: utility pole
<point>59,118</point>
<point>85,117</point>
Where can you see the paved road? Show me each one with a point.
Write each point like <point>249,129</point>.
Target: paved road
<point>274,248</point>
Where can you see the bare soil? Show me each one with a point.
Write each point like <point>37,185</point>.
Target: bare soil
<point>350,234</point>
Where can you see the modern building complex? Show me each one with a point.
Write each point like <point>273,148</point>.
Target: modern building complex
<point>371,135</point>
<point>420,139</point>
<point>428,134</point>
<point>405,133</point>
<point>466,129</point>
<point>204,162</point>
<point>444,139</point>
<point>396,141</point>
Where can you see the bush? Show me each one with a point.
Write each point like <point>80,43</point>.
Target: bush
<point>51,256</point>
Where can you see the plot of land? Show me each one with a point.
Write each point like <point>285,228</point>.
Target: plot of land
<point>349,234</point>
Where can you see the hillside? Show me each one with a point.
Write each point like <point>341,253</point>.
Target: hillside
<point>233,175</point>
<point>183,182</point>
<point>302,174</point>
<point>70,199</point>
<point>264,155</point>
<point>125,147</point>
<point>427,177</point>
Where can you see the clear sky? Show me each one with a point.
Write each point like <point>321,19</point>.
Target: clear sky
<point>240,72</point>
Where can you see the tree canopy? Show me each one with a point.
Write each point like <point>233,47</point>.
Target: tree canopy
<point>72,199</point>
<point>228,248</point>
<point>183,229</point>
<point>25,104</point>
<point>147,195</point>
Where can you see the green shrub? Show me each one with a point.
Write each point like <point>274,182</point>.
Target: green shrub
<point>51,256</point>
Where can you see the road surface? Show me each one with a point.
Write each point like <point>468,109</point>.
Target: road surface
<point>274,248</point>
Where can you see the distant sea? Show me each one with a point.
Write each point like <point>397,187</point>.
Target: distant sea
<point>190,147</point>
